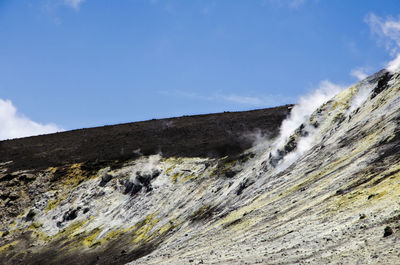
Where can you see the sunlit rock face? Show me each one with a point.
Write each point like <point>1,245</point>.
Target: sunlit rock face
<point>330,194</point>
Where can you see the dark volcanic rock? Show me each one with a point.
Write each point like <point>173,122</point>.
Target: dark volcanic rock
<point>382,84</point>
<point>388,231</point>
<point>128,187</point>
<point>132,188</point>
<point>71,214</point>
<point>105,179</point>
<point>30,216</point>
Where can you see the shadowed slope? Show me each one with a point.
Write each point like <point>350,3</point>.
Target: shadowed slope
<point>213,135</point>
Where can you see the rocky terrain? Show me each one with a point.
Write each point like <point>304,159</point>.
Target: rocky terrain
<point>216,189</point>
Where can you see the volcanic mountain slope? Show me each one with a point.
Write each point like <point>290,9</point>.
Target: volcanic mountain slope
<point>328,194</point>
<point>48,168</point>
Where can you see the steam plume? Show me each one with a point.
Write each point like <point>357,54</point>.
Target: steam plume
<point>299,115</point>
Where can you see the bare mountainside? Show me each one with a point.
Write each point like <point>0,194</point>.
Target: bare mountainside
<point>328,192</point>
<point>212,135</point>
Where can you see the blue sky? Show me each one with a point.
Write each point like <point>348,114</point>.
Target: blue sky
<point>73,63</point>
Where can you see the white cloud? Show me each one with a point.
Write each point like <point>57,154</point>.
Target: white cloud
<point>388,31</point>
<point>15,125</point>
<point>359,73</point>
<point>75,4</point>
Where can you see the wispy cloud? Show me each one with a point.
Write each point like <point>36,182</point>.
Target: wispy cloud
<point>254,101</point>
<point>288,3</point>
<point>205,11</point>
<point>51,8</point>
<point>387,29</point>
<point>15,125</point>
<point>296,3</point>
<point>75,4</point>
<point>360,73</point>
<point>244,100</point>
<point>388,32</point>
<point>352,47</point>
<point>238,99</point>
